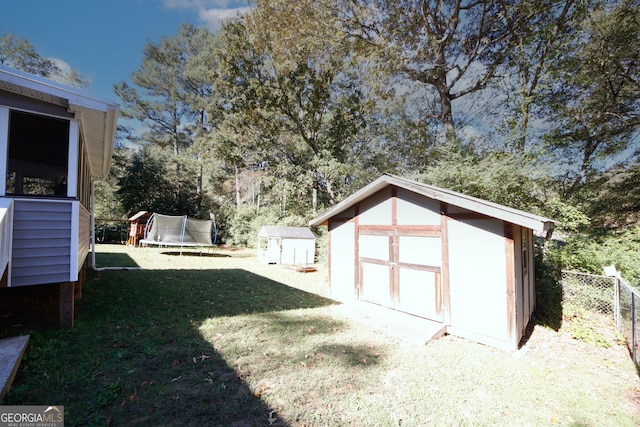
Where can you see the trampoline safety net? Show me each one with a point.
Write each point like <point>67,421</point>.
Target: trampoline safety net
<point>172,230</point>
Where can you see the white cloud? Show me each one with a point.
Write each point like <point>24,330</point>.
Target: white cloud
<point>213,17</point>
<point>210,12</point>
<point>196,4</point>
<point>66,73</point>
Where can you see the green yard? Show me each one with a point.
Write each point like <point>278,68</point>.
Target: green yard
<point>221,340</point>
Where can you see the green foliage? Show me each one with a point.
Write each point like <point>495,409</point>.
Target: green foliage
<point>242,229</point>
<point>569,218</point>
<point>593,107</point>
<point>589,335</point>
<point>156,181</point>
<point>612,198</point>
<point>548,288</point>
<point>108,203</point>
<point>502,177</point>
<point>18,53</point>
<point>290,108</point>
<point>591,252</point>
<point>298,119</point>
<point>244,225</point>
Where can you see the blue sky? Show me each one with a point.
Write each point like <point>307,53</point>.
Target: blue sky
<point>103,39</point>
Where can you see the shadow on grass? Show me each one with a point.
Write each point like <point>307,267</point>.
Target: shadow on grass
<point>136,355</point>
<point>354,355</point>
<point>114,259</point>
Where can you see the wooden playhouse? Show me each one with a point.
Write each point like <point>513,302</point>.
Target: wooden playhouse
<point>454,259</point>
<point>137,224</point>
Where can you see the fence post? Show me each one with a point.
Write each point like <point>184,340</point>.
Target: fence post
<point>633,323</point>
<point>616,303</point>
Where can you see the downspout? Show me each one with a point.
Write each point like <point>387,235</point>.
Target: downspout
<point>93,238</point>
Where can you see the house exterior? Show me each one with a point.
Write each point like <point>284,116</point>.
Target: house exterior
<point>53,140</point>
<point>286,245</point>
<point>454,259</point>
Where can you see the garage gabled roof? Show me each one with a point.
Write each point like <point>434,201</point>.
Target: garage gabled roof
<point>98,116</point>
<point>493,210</point>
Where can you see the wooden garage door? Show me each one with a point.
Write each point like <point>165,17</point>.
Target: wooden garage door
<point>401,271</point>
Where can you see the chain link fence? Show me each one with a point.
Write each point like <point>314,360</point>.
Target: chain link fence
<point>629,314</point>
<point>600,305</point>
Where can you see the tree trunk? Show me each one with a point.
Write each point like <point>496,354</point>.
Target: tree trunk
<point>314,199</point>
<point>258,198</point>
<point>237,186</point>
<point>447,116</point>
<point>199,183</point>
<point>444,92</point>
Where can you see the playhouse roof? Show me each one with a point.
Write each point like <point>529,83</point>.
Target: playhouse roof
<point>138,215</point>
<point>286,232</point>
<point>97,115</point>
<point>493,210</point>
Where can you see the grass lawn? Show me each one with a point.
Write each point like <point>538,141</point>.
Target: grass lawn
<point>224,341</point>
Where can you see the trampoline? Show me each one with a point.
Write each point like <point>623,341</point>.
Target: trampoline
<point>180,232</point>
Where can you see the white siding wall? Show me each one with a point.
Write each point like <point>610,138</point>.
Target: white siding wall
<point>376,210</point>
<point>478,280</point>
<point>420,250</point>
<point>298,251</point>
<point>415,209</point>
<point>84,236</point>
<point>42,242</point>
<point>341,259</point>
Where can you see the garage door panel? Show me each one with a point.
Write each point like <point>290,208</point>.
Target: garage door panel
<point>374,247</point>
<point>375,279</point>
<point>419,293</point>
<point>420,250</point>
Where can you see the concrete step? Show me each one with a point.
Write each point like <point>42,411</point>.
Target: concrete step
<point>11,352</point>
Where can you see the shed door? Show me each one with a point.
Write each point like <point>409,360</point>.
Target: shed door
<point>401,272</point>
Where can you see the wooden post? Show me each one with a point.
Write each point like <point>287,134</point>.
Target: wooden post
<point>394,251</point>
<point>445,283</point>
<point>82,277</point>
<point>66,305</point>
<point>509,249</point>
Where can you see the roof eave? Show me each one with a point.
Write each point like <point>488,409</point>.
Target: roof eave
<point>491,209</point>
<point>100,140</point>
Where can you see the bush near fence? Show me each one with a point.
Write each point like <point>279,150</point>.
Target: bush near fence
<point>600,309</point>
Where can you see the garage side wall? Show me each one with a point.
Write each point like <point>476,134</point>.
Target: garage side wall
<point>478,281</point>
<point>342,253</point>
<point>524,279</point>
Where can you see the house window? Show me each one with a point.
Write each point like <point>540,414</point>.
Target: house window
<point>37,155</point>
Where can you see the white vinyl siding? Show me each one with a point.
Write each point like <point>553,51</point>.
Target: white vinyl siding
<point>414,209</point>
<point>477,278</point>
<point>341,258</point>
<point>84,236</point>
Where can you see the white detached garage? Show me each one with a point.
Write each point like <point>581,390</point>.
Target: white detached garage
<point>458,260</point>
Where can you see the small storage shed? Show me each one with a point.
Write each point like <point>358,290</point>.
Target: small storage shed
<point>434,253</point>
<point>286,245</point>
